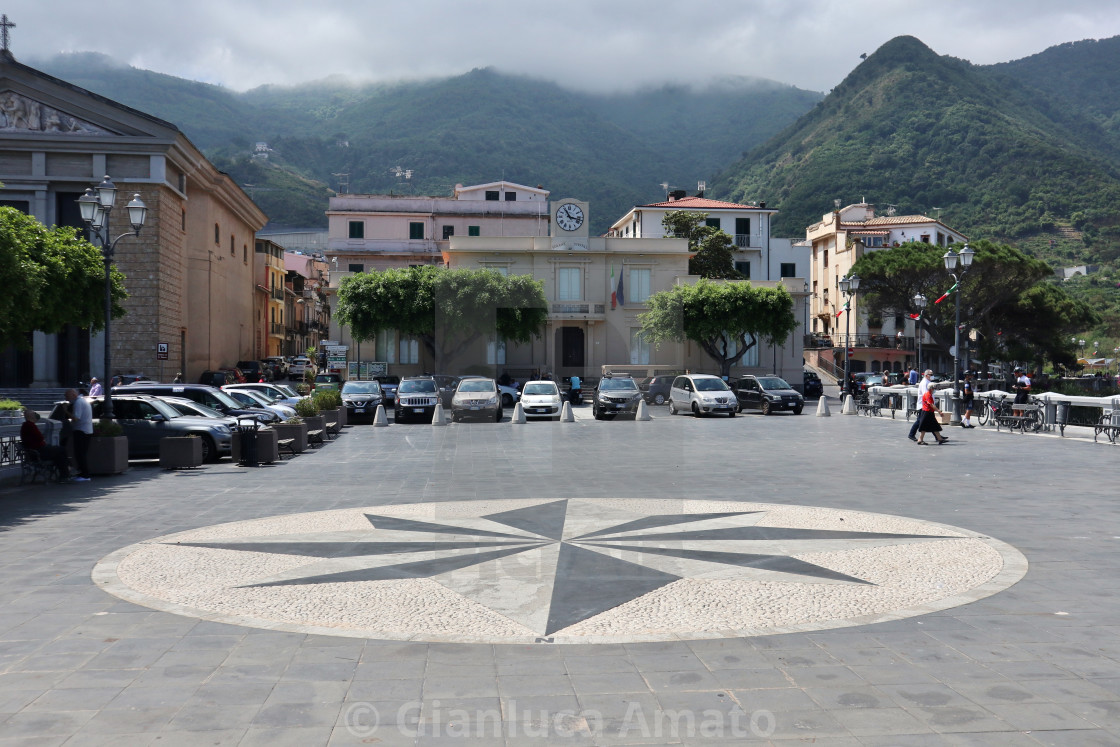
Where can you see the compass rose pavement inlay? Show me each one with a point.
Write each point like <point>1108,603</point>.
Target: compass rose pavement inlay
<point>563,571</point>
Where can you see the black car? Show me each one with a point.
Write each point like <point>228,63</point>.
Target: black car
<point>210,396</point>
<point>615,395</point>
<point>217,378</point>
<point>254,370</point>
<point>812,387</point>
<point>361,398</point>
<point>656,392</point>
<point>417,397</point>
<point>389,386</point>
<point>767,393</point>
<point>447,386</point>
<point>146,420</point>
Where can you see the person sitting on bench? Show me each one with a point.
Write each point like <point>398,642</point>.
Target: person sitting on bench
<point>35,444</point>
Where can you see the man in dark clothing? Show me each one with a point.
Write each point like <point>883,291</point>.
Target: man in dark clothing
<point>35,444</point>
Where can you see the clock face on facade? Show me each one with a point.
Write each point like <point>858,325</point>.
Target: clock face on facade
<point>569,216</point>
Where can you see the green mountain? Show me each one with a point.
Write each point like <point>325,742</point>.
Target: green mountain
<point>614,151</point>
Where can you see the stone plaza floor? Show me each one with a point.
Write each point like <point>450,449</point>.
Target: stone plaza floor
<point>758,580</point>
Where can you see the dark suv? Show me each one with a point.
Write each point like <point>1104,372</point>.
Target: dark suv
<point>767,393</point>
<point>417,397</point>
<point>615,395</point>
<point>254,371</point>
<point>361,399</point>
<point>812,387</point>
<point>147,419</point>
<point>204,395</point>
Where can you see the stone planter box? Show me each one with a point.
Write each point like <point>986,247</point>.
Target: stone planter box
<point>342,415</point>
<point>331,418</point>
<point>316,423</point>
<point>295,431</point>
<point>267,450</point>
<point>178,452</point>
<point>108,455</point>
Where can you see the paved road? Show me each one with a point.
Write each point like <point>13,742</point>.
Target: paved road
<point>1038,663</point>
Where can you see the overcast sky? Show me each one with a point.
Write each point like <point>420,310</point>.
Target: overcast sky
<point>598,45</point>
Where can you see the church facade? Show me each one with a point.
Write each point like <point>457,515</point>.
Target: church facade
<point>189,273</point>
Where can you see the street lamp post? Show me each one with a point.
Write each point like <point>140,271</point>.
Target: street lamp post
<point>920,301</point>
<point>96,205</point>
<point>951,259</point>
<point>848,286</point>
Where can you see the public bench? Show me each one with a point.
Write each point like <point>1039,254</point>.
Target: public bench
<point>872,406</point>
<point>333,429</point>
<point>315,437</point>
<point>286,444</point>
<point>1106,425</point>
<point>31,465</point>
<point>1030,419</point>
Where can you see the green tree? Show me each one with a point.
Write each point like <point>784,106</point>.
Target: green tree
<point>725,319</point>
<point>447,310</point>
<point>1004,295</point>
<point>50,278</point>
<point>712,248</point>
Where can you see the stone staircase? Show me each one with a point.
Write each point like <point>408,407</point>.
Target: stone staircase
<point>41,400</point>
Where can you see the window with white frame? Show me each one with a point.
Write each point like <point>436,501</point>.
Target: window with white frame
<point>567,284</point>
<point>639,346</point>
<point>496,352</point>
<point>749,359</point>
<point>638,291</point>
<point>385,346</point>
<point>410,350</point>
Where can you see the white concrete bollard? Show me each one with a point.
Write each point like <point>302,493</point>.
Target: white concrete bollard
<point>379,419</point>
<point>849,407</point>
<point>643,411</point>
<point>437,416</point>
<point>518,417</point>
<point>822,408</point>
<point>566,414</point>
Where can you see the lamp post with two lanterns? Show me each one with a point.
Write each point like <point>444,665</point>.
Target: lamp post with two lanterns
<point>848,286</point>
<point>96,205</point>
<point>920,302</point>
<point>964,258</point>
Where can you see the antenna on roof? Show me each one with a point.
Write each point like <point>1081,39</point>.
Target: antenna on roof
<point>837,202</point>
<point>343,182</point>
<point>891,209</point>
<point>938,216</point>
<point>401,173</point>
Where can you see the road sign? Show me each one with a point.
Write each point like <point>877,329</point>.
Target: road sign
<point>851,352</point>
<point>161,351</point>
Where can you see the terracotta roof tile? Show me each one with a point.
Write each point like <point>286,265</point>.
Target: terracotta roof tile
<point>702,203</point>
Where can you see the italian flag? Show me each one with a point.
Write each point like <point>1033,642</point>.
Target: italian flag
<point>915,316</point>
<point>841,311</point>
<point>614,296</point>
<point>946,293</point>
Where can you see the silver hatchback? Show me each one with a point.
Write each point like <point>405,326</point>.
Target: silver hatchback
<point>702,394</point>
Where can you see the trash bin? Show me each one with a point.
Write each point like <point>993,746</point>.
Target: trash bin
<point>247,431</point>
<point>1061,415</point>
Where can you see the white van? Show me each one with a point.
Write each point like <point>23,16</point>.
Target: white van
<point>702,394</point>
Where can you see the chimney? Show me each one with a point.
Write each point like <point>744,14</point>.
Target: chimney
<point>762,205</point>
<point>677,194</point>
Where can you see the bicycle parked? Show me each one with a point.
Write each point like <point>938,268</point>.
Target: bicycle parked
<point>1001,410</point>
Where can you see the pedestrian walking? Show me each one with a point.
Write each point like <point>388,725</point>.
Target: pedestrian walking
<point>928,422</point>
<point>95,388</point>
<point>923,389</point>
<point>1022,387</point>
<point>83,431</point>
<point>968,398</point>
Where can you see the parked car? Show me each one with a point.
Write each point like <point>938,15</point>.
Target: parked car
<point>813,386</point>
<point>207,395</point>
<point>254,370</point>
<point>146,419</point>
<point>299,366</point>
<point>217,378</point>
<point>191,408</point>
<point>769,394</point>
<point>541,399</point>
<point>615,395</point>
<point>126,379</point>
<point>417,397</point>
<point>328,381</point>
<point>865,380</point>
<point>447,385</point>
<point>279,366</point>
<point>274,392</point>
<point>702,394</point>
<point>476,397</point>
<point>389,386</point>
<point>656,391</point>
<point>510,394</point>
<point>249,398</point>
<point>361,398</point>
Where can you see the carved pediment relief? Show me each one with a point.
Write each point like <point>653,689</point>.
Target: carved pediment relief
<point>18,113</point>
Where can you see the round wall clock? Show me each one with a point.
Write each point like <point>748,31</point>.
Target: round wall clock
<point>569,216</point>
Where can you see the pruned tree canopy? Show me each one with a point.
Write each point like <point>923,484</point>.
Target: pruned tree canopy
<point>447,310</point>
<point>712,247</point>
<point>725,319</point>
<point>51,278</point>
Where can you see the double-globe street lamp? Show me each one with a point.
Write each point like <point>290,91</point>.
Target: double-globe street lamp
<point>848,286</point>
<point>96,205</point>
<point>964,258</point>
<point>920,302</point>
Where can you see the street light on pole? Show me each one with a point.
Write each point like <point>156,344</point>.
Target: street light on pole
<point>951,260</point>
<point>96,205</point>
<point>920,302</point>
<point>848,286</point>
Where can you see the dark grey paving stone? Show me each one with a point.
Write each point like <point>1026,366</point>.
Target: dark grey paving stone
<point>864,722</point>
<point>1039,716</point>
<point>388,690</point>
<point>460,687</point>
<point>513,686</point>
<point>614,682</point>
<point>293,715</point>
<point>207,717</point>
<point>682,681</point>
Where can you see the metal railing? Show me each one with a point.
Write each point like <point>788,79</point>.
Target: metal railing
<point>578,308</point>
<point>881,342</point>
<point>742,240</point>
<point>277,294</point>
<point>277,328</point>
